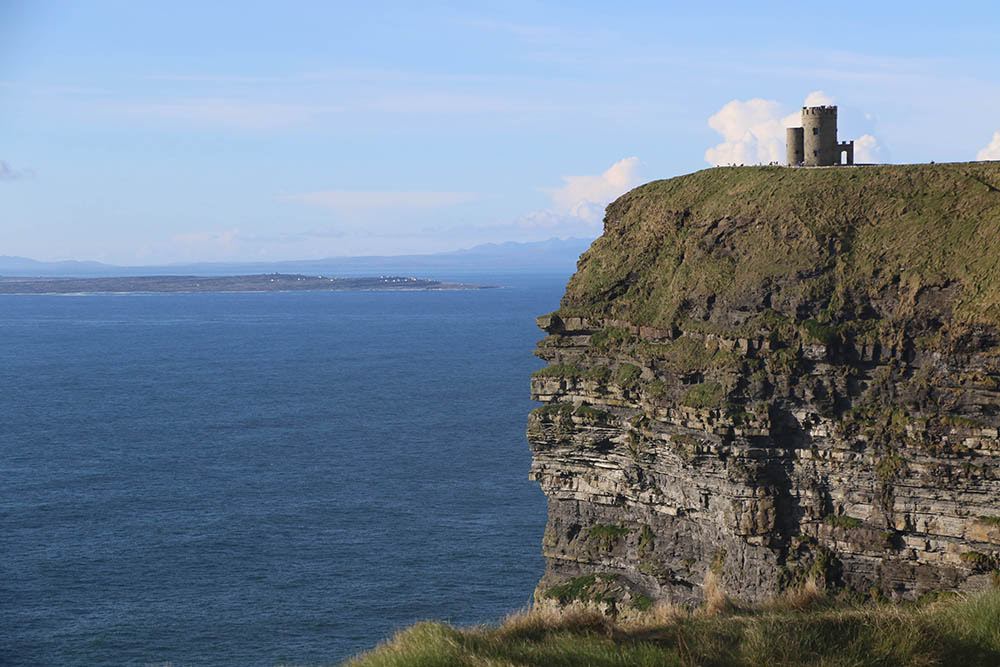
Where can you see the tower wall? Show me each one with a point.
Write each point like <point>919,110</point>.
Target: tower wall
<point>794,146</point>
<point>819,127</point>
<point>846,147</point>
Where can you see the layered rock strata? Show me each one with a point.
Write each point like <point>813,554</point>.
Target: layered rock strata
<point>769,376</point>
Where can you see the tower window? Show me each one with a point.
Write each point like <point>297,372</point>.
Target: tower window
<point>815,130</point>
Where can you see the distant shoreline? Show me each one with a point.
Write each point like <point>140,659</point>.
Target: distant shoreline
<point>255,283</point>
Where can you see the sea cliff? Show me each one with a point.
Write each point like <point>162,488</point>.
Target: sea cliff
<point>761,377</point>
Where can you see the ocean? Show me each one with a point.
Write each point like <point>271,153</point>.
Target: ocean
<point>260,479</point>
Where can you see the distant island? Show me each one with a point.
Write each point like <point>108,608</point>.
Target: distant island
<point>267,282</point>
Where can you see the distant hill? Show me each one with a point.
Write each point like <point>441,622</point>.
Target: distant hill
<point>15,266</point>
<point>552,256</point>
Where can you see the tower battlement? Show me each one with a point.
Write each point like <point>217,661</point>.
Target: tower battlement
<point>819,111</point>
<point>815,143</point>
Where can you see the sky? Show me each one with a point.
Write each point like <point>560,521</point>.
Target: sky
<point>161,132</point>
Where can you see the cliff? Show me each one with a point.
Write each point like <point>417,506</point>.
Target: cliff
<point>764,376</point>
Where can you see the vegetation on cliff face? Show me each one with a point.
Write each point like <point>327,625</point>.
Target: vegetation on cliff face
<point>728,247</point>
<point>953,631</point>
<point>797,373</point>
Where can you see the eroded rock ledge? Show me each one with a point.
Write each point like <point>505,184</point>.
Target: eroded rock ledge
<point>777,375</point>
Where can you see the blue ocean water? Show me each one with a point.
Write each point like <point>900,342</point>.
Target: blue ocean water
<point>215,479</point>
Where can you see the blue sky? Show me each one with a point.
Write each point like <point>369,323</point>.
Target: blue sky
<point>150,132</point>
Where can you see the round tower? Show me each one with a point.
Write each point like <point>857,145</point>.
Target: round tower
<point>819,129</point>
<point>794,147</point>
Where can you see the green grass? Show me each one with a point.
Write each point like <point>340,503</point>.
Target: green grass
<point>592,415</point>
<point>646,539</point>
<point>611,338</point>
<point>656,389</point>
<point>842,521</point>
<point>574,372</point>
<point>576,589</point>
<point>961,421</point>
<point>642,603</point>
<point>687,354</point>
<point>822,333</point>
<point>979,561</point>
<point>627,375</point>
<point>597,373</point>
<point>606,534</point>
<point>554,411</point>
<point>704,395</point>
<point>949,631</point>
<point>888,467</point>
<point>675,251</point>
<point>559,371</point>
<point>586,589</point>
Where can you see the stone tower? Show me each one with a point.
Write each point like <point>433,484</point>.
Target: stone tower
<point>794,145</point>
<point>815,143</point>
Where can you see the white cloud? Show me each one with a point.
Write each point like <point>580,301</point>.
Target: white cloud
<point>818,98</point>
<point>576,210</point>
<point>585,197</point>
<point>366,200</point>
<point>992,150</point>
<point>867,150</point>
<point>753,132</point>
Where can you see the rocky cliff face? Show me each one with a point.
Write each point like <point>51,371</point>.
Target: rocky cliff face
<point>777,375</point>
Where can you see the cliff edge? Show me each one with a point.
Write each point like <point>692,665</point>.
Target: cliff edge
<point>760,377</point>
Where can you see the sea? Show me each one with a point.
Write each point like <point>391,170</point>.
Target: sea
<point>263,479</point>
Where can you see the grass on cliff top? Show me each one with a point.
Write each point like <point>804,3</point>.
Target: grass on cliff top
<point>951,631</point>
<point>741,240</point>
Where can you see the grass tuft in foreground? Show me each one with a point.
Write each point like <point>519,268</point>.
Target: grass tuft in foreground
<point>800,630</point>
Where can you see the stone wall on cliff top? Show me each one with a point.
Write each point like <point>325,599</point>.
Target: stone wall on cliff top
<point>774,376</point>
